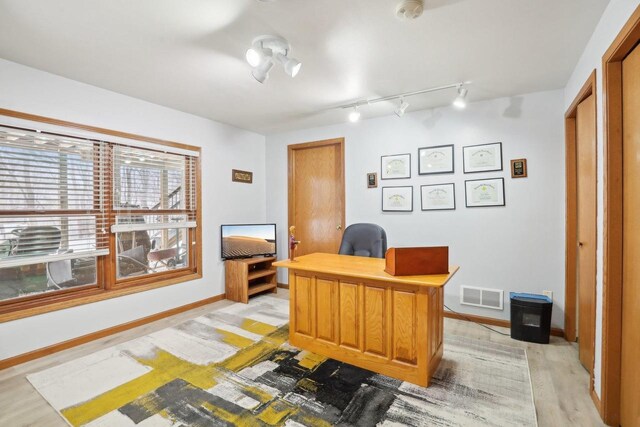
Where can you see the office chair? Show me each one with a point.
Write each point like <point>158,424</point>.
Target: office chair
<point>368,240</point>
<point>37,240</point>
<point>60,274</point>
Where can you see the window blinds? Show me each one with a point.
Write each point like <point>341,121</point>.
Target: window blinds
<point>152,181</point>
<point>52,197</point>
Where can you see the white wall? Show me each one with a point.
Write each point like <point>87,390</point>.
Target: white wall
<point>223,147</point>
<point>519,247</point>
<point>612,21</point>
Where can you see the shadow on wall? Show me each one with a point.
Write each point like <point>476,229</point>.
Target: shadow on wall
<point>431,119</point>
<point>514,110</point>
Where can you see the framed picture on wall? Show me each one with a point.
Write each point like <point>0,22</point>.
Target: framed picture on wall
<point>372,180</point>
<point>484,192</point>
<point>397,199</point>
<point>519,168</point>
<point>396,166</point>
<point>438,197</point>
<point>436,159</point>
<point>482,158</point>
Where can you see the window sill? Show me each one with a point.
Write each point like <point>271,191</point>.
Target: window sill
<point>61,302</point>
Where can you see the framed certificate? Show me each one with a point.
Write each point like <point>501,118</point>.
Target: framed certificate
<point>484,192</point>
<point>438,197</point>
<point>482,158</point>
<point>396,166</point>
<point>397,199</point>
<point>436,159</point>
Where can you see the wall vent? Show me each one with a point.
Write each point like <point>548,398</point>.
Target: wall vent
<point>482,297</point>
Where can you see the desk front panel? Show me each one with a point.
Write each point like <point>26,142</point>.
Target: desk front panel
<point>388,328</point>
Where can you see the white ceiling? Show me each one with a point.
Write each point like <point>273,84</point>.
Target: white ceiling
<point>189,54</point>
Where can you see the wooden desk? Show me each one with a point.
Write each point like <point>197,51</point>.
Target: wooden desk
<point>349,309</point>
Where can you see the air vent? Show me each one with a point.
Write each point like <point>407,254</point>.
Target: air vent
<point>482,297</point>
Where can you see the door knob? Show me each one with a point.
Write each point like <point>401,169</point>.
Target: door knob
<point>339,227</point>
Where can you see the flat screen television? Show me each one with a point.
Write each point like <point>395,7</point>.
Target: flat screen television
<point>247,240</point>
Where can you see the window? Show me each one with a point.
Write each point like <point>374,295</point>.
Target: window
<point>85,217</point>
<point>154,211</point>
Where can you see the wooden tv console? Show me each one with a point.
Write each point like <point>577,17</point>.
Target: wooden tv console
<point>249,276</point>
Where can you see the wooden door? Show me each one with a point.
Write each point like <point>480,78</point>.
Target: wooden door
<point>586,227</point>
<point>316,195</point>
<point>630,367</point>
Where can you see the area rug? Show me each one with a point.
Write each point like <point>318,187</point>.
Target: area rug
<point>234,367</point>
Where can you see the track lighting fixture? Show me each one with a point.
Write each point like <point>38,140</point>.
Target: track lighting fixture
<point>401,108</point>
<point>354,116</point>
<point>263,53</point>
<point>255,56</point>
<point>460,102</point>
<point>261,72</point>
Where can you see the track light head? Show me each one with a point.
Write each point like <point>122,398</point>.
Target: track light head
<point>401,108</point>
<point>354,116</point>
<point>291,65</point>
<point>255,56</point>
<point>261,72</point>
<point>460,102</point>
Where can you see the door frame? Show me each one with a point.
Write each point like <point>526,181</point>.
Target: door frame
<point>292,168</point>
<point>571,229</point>
<point>624,43</point>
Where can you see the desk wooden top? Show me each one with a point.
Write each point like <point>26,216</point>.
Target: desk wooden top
<point>360,267</point>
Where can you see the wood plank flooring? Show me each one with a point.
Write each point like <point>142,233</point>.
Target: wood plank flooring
<point>560,383</point>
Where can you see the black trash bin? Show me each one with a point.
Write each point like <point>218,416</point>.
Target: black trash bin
<point>530,317</point>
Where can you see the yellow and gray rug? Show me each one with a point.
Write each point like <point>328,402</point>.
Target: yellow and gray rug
<point>234,367</point>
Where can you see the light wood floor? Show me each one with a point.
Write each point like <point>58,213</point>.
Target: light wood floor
<point>560,384</point>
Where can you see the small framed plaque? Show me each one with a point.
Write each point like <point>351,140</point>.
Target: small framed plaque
<point>241,176</point>
<point>519,168</point>
<point>372,180</point>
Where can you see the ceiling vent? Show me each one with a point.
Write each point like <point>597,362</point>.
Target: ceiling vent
<point>409,9</point>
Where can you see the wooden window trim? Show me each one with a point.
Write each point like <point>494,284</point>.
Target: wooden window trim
<point>107,286</point>
<point>61,302</point>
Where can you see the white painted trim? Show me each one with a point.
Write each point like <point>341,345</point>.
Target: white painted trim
<point>18,261</point>
<point>123,228</point>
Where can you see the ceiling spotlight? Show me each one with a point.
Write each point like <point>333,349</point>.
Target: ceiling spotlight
<point>263,53</point>
<point>401,108</point>
<point>255,56</point>
<point>261,72</point>
<point>354,116</point>
<point>460,102</point>
<point>291,65</point>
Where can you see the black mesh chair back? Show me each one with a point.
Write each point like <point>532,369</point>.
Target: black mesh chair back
<point>368,240</point>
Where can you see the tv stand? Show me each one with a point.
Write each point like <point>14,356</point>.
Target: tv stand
<point>248,276</point>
